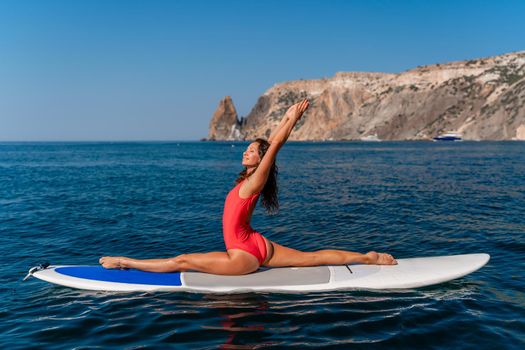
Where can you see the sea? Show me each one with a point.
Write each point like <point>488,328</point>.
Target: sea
<point>70,203</point>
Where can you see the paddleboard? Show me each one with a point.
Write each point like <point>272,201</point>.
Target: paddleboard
<point>408,273</point>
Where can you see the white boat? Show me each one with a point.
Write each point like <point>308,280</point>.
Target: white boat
<point>448,136</point>
<point>371,138</point>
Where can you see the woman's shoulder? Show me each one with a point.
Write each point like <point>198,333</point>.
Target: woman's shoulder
<point>247,189</point>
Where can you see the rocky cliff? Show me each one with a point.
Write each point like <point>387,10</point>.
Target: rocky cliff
<point>224,124</point>
<point>483,99</point>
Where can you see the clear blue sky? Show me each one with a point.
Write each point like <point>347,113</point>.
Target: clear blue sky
<point>156,70</point>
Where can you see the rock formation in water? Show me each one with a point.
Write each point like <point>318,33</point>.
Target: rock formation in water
<point>224,124</point>
<point>483,99</point>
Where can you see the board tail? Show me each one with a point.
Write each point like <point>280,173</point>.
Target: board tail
<point>35,269</point>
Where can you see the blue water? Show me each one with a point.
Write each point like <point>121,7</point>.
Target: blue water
<point>70,203</point>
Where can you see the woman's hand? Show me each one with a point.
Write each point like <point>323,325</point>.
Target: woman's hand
<point>297,110</point>
<point>292,115</point>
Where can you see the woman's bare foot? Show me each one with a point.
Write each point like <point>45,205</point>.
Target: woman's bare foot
<point>381,258</point>
<point>111,262</point>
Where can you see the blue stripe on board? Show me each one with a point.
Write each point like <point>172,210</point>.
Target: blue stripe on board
<point>98,273</point>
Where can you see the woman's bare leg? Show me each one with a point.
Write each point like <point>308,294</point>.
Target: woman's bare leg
<point>284,256</point>
<point>234,262</point>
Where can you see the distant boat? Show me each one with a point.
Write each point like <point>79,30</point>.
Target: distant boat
<point>449,136</point>
<point>371,138</point>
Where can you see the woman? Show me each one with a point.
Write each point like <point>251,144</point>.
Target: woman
<point>246,249</point>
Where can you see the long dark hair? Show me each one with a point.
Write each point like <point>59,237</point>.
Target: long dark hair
<point>270,190</point>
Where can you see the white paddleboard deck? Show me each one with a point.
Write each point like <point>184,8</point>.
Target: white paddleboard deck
<point>408,273</point>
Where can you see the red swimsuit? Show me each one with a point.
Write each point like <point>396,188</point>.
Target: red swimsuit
<point>238,234</point>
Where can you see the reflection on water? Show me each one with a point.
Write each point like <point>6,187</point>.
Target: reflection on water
<point>238,313</point>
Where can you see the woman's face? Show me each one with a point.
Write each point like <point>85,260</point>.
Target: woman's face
<point>250,157</point>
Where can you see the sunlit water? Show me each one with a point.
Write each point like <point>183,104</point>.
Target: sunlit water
<point>70,203</point>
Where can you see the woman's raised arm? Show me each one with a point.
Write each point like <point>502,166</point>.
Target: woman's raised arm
<point>283,122</point>
<point>292,116</point>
